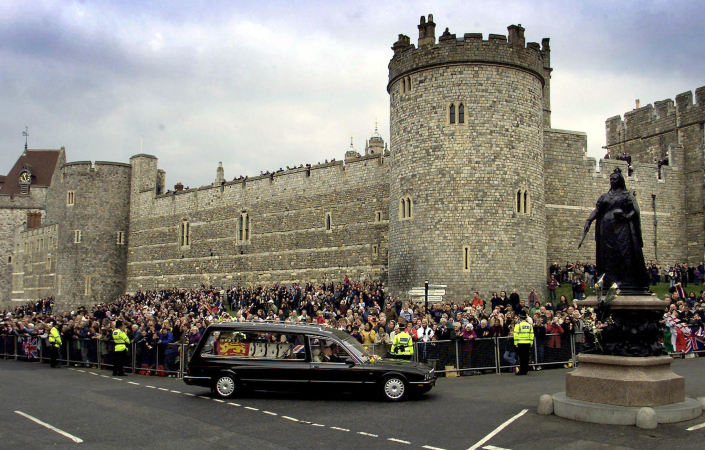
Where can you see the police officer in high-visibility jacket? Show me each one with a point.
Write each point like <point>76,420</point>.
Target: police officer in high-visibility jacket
<point>523,339</point>
<point>54,344</point>
<point>402,346</point>
<point>121,340</point>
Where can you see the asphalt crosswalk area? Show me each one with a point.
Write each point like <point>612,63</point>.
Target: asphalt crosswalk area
<point>89,408</point>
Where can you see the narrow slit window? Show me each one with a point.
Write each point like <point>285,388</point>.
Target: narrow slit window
<point>466,258</point>
<point>461,113</point>
<point>328,222</point>
<point>518,201</point>
<point>527,199</point>
<point>87,290</point>
<point>402,209</point>
<point>120,237</point>
<point>70,197</point>
<point>452,113</point>
<point>375,250</point>
<point>77,236</point>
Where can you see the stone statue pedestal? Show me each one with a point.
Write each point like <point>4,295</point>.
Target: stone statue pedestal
<point>624,390</point>
<point>625,381</point>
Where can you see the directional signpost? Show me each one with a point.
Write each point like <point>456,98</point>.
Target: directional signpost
<point>430,292</point>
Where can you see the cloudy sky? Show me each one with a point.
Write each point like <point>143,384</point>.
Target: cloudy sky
<point>260,85</point>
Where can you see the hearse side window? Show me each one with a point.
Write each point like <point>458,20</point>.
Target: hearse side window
<point>327,351</point>
<point>248,344</point>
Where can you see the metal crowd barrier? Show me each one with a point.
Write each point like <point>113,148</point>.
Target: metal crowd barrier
<point>159,359</point>
<point>496,355</point>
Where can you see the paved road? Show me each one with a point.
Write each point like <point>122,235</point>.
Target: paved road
<point>156,413</point>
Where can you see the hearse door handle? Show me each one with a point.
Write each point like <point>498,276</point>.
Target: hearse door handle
<point>315,366</point>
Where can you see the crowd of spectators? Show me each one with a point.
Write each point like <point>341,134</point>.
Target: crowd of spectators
<point>157,320</point>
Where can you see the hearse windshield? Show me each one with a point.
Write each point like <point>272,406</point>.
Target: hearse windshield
<point>357,349</point>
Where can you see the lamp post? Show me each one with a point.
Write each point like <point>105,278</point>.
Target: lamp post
<point>425,294</point>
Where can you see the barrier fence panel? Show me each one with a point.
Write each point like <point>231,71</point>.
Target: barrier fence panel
<point>440,355</point>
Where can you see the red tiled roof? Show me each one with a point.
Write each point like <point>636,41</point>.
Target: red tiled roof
<point>41,164</point>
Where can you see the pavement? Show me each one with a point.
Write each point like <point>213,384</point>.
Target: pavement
<point>479,412</point>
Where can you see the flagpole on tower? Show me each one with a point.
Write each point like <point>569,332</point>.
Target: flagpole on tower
<point>25,133</point>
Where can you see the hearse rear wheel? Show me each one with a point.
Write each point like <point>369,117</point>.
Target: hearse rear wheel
<point>225,386</point>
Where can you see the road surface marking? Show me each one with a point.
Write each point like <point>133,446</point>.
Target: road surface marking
<point>202,396</point>
<point>432,448</point>
<point>52,428</point>
<point>251,408</point>
<point>234,404</point>
<point>81,370</point>
<point>339,429</point>
<point>152,387</point>
<point>696,427</point>
<point>176,392</point>
<point>119,379</point>
<point>163,389</point>
<point>93,373</point>
<point>367,434</point>
<point>399,441</point>
<point>317,425</point>
<point>132,382</point>
<point>218,400</point>
<point>290,418</point>
<point>492,447</point>
<point>105,376</point>
<point>189,394</point>
<point>270,413</point>
<point>497,430</point>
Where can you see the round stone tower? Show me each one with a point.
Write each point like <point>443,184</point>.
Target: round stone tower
<point>467,166</point>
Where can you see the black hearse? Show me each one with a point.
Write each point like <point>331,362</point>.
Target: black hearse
<point>279,356</point>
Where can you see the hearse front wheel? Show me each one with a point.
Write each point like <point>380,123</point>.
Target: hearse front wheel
<point>393,388</point>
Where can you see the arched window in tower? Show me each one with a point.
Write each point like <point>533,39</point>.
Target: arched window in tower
<point>402,209</point>
<point>452,113</point>
<point>408,84</point>
<point>408,208</point>
<point>329,223</point>
<point>461,113</point>
<point>527,208</point>
<point>519,199</point>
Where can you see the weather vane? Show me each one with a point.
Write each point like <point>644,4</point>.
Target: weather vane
<point>25,133</point>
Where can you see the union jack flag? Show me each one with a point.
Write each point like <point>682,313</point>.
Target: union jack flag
<point>299,349</point>
<point>30,347</point>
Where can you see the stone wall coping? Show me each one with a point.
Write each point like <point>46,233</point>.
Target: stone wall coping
<point>625,360</point>
<point>143,155</point>
<point>559,131</point>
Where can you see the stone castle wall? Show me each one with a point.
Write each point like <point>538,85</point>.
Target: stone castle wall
<point>288,237</point>
<point>101,209</point>
<point>13,214</point>
<point>649,132</point>
<point>573,186</point>
<point>463,178</point>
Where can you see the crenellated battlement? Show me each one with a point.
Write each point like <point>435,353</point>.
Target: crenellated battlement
<point>314,172</point>
<point>658,118</point>
<point>81,169</point>
<point>471,48</point>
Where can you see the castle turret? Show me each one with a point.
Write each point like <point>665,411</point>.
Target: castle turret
<point>375,145</point>
<point>219,174</point>
<point>467,164</point>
